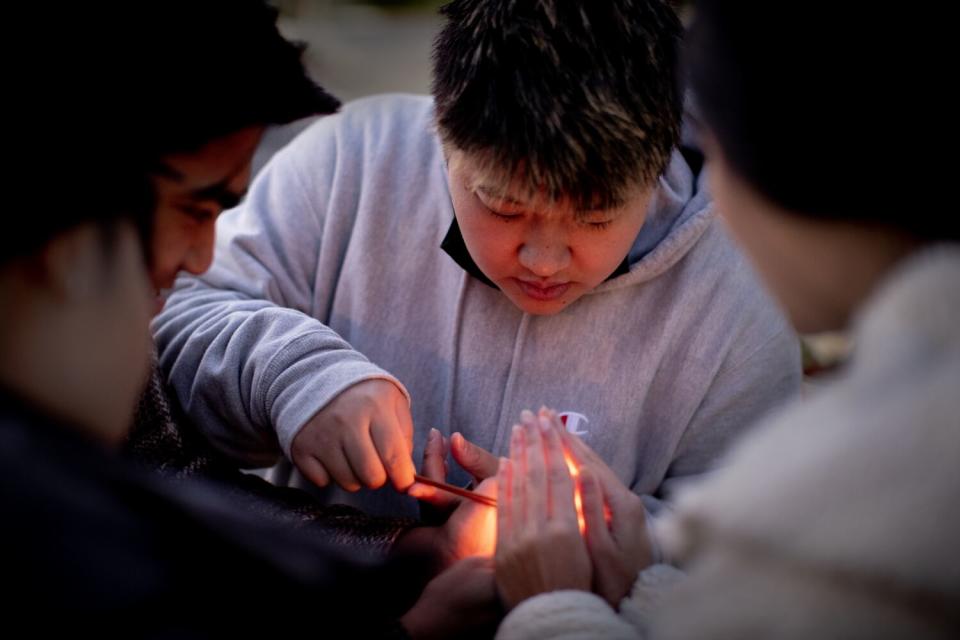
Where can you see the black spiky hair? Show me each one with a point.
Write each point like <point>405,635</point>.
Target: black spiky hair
<point>579,99</point>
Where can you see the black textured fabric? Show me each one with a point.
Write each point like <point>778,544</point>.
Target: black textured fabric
<point>163,439</point>
<point>96,543</point>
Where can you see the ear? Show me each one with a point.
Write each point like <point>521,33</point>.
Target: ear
<point>72,262</point>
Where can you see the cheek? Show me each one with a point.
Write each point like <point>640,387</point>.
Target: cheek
<point>492,245</point>
<point>597,255</point>
<point>126,309</point>
<point>735,208</point>
<point>749,230</point>
<point>768,245</point>
<point>491,242</point>
<point>175,236</point>
<point>165,233</point>
<point>137,309</point>
<point>132,302</point>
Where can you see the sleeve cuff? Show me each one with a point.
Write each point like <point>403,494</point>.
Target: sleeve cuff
<point>564,614</point>
<point>299,406</point>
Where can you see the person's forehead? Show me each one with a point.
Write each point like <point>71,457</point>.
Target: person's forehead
<point>522,197</point>
<point>223,159</point>
<point>514,189</point>
<point>201,175</point>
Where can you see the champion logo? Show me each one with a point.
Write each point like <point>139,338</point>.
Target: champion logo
<point>572,421</point>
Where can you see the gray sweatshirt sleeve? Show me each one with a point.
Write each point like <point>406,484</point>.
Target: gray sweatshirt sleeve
<point>241,346</point>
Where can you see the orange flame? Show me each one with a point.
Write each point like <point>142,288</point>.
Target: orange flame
<point>577,498</point>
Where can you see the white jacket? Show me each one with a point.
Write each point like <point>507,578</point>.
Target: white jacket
<point>839,518</point>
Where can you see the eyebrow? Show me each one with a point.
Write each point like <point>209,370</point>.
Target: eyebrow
<point>499,195</point>
<point>218,192</point>
<point>164,169</point>
<point>579,213</point>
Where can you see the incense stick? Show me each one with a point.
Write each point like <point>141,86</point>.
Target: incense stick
<point>463,493</point>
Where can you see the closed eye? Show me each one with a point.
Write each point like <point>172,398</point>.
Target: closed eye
<point>506,217</point>
<point>600,226</point>
<point>200,214</point>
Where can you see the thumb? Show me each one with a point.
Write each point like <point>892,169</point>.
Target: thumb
<point>475,460</point>
<point>433,468</point>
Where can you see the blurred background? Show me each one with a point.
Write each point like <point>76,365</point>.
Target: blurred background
<point>358,48</point>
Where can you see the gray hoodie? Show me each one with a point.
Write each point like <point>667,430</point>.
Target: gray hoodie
<point>336,252</point>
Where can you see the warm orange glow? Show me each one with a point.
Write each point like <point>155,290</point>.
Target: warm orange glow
<point>577,499</point>
<point>477,533</point>
<point>481,538</point>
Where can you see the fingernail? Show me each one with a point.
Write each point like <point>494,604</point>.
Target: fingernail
<point>433,435</point>
<point>416,490</point>
<point>544,424</point>
<point>526,415</point>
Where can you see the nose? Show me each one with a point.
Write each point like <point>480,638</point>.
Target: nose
<point>199,255</point>
<point>545,251</point>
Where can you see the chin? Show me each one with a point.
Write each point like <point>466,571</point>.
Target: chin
<point>541,308</point>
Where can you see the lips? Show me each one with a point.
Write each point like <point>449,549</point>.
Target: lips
<point>545,292</point>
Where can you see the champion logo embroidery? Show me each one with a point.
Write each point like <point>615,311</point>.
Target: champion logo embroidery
<point>572,421</point>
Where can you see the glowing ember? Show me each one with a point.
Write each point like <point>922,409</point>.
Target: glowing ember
<point>577,499</point>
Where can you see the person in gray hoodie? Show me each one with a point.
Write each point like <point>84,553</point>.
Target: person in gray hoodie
<point>536,233</point>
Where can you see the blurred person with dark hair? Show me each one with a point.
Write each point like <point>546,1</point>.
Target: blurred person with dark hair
<point>836,518</point>
<point>149,160</point>
<point>201,104</point>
